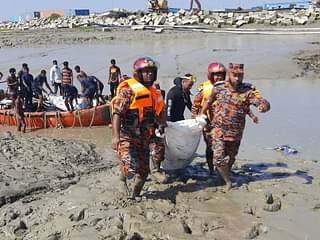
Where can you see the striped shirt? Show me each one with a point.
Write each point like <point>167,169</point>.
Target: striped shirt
<point>67,76</point>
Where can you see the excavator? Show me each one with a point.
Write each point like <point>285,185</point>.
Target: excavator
<point>158,6</point>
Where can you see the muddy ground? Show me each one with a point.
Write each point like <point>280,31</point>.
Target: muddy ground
<point>55,188</point>
<point>308,61</point>
<point>74,193</point>
<point>45,38</point>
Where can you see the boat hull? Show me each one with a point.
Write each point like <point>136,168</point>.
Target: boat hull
<point>97,116</point>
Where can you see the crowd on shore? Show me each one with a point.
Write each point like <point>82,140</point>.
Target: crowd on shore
<point>22,87</point>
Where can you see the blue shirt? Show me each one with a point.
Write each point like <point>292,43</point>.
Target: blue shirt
<point>27,78</point>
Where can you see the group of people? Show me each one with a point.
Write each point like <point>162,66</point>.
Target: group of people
<point>140,114</point>
<point>140,111</point>
<point>22,87</point>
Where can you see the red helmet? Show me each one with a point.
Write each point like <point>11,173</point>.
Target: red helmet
<point>144,62</point>
<point>214,68</point>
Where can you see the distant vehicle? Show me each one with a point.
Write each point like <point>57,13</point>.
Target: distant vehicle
<point>287,5</point>
<point>158,5</point>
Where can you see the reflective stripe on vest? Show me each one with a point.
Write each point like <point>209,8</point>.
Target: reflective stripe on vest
<point>158,100</point>
<point>206,89</point>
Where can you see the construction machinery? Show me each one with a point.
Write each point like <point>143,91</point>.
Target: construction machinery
<point>158,5</point>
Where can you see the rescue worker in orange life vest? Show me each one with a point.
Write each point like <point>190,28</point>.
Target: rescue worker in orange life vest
<point>137,107</point>
<point>216,76</point>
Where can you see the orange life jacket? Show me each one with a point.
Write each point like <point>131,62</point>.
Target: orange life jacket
<point>206,90</point>
<point>142,98</point>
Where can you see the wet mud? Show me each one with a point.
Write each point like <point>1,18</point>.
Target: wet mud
<point>55,187</point>
<point>47,38</point>
<point>64,189</point>
<point>308,61</point>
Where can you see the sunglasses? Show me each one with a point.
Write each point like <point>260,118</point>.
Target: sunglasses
<point>191,78</point>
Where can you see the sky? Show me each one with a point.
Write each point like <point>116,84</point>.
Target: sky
<point>19,7</point>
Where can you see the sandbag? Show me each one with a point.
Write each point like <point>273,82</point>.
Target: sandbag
<point>182,139</point>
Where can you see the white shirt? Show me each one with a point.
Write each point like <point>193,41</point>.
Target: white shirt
<point>55,74</point>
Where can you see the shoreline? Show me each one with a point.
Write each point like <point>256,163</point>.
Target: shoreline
<point>57,37</point>
<point>92,205</point>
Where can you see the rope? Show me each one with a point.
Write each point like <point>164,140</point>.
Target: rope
<point>74,119</point>
<point>29,116</point>
<point>4,117</point>
<point>56,115</point>
<point>44,120</point>
<point>79,116</point>
<point>9,123</point>
<point>59,117</point>
<point>93,116</point>
<point>15,117</point>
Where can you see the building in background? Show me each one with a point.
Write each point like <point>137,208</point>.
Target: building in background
<point>66,12</point>
<point>47,13</point>
<point>287,5</point>
<point>69,12</point>
<point>36,15</point>
<point>15,19</point>
<point>82,12</point>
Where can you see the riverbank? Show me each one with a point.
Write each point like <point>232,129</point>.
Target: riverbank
<point>81,198</point>
<point>213,19</point>
<point>90,206</point>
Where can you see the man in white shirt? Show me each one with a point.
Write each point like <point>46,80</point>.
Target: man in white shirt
<point>55,77</point>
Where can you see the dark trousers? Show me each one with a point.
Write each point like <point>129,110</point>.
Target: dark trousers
<point>28,100</point>
<point>113,89</point>
<point>56,86</point>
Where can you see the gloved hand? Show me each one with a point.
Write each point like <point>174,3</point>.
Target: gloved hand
<point>201,120</point>
<point>159,133</point>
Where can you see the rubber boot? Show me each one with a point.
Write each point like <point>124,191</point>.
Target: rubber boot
<point>138,185</point>
<point>123,185</point>
<point>220,180</point>
<point>209,158</point>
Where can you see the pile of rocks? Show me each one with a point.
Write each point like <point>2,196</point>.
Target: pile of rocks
<point>206,18</point>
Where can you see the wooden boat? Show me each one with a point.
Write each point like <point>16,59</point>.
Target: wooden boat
<point>96,116</point>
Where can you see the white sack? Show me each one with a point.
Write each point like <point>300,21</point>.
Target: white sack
<point>182,139</point>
